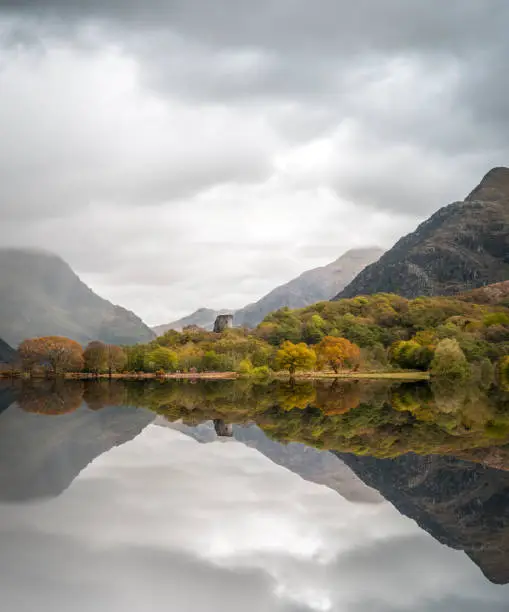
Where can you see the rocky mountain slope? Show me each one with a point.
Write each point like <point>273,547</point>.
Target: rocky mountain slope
<point>461,247</point>
<point>40,295</point>
<point>310,287</point>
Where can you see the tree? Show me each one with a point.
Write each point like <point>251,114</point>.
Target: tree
<point>336,352</point>
<point>293,357</point>
<point>411,354</point>
<point>503,372</point>
<point>162,358</point>
<point>95,357</point>
<point>115,358</point>
<point>449,361</point>
<point>245,367</point>
<point>56,353</point>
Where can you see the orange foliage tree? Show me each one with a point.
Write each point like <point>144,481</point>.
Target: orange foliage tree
<point>95,357</point>
<point>336,352</point>
<point>55,353</point>
<point>115,358</point>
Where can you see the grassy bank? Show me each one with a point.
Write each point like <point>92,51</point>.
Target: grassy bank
<point>315,375</point>
<point>346,375</point>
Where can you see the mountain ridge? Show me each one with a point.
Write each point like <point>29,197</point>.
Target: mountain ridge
<point>40,295</point>
<point>309,287</point>
<point>461,247</point>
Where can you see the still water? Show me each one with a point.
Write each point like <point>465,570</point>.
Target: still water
<point>214,497</point>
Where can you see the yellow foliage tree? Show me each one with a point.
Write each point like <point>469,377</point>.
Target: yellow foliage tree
<point>336,352</point>
<point>293,357</point>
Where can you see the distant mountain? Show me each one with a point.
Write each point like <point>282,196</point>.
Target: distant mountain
<point>461,247</point>
<point>312,286</point>
<point>40,295</point>
<point>203,317</point>
<point>7,353</point>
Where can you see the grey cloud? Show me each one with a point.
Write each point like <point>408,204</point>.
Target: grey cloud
<point>123,104</point>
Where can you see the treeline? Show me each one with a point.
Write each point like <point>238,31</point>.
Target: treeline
<point>449,337</point>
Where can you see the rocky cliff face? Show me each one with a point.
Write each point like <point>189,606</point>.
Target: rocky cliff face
<point>463,505</point>
<point>461,247</point>
<point>41,296</point>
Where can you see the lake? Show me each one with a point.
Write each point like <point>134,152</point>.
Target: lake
<point>241,495</point>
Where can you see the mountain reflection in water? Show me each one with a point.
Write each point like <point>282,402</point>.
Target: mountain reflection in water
<point>142,523</point>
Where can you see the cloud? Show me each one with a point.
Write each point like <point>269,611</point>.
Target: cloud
<point>204,151</point>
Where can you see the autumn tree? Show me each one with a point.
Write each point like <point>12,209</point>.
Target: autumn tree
<point>449,361</point>
<point>95,357</point>
<point>56,353</point>
<point>336,352</point>
<point>503,372</point>
<point>115,358</point>
<point>293,357</point>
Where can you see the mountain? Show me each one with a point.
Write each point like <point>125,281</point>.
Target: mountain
<point>461,247</point>
<point>203,317</point>
<point>40,295</point>
<point>7,353</point>
<point>461,504</point>
<point>312,286</point>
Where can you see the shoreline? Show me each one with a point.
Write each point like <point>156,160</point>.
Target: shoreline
<point>308,376</point>
<point>409,375</point>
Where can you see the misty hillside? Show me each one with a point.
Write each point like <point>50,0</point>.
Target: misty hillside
<point>461,247</point>
<point>310,287</point>
<point>40,295</point>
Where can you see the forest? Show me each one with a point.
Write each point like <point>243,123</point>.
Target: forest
<point>449,337</point>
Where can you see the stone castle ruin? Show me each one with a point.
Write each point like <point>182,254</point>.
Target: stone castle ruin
<point>222,322</point>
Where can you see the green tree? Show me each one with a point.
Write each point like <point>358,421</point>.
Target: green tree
<point>449,361</point>
<point>293,357</point>
<point>161,358</point>
<point>246,367</point>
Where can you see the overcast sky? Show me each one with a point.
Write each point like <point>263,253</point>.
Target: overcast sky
<point>177,525</point>
<point>187,153</point>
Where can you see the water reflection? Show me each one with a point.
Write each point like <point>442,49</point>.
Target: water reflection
<point>144,524</point>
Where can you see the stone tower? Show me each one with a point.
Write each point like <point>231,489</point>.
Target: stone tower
<point>222,322</point>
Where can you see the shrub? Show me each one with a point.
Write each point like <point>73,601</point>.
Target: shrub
<point>450,361</point>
